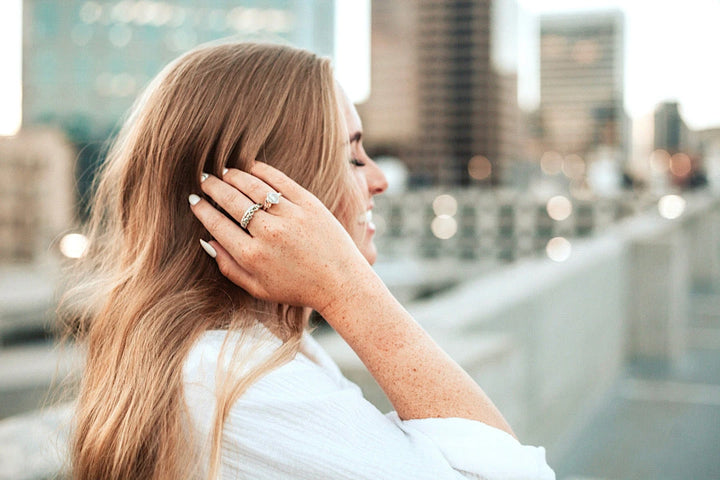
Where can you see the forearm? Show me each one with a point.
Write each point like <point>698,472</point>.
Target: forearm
<point>418,377</point>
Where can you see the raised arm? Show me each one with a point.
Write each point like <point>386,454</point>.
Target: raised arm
<point>297,253</point>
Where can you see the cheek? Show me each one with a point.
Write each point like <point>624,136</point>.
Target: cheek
<point>360,179</point>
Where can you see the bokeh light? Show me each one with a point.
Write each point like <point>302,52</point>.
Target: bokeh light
<point>479,167</point>
<point>444,227</point>
<point>120,35</point>
<point>558,249</point>
<point>73,245</point>
<point>680,165</point>
<point>659,161</point>
<point>671,206</point>
<point>122,12</point>
<point>551,163</point>
<point>90,12</point>
<point>573,166</point>
<point>581,189</point>
<point>445,205</point>
<point>559,207</point>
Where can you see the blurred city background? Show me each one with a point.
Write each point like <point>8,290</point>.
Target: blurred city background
<point>553,218</point>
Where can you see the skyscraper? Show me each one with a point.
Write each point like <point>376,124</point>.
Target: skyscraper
<point>581,82</point>
<point>671,133</point>
<point>445,104</point>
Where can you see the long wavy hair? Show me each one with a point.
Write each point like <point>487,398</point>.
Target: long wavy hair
<point>145,291</point>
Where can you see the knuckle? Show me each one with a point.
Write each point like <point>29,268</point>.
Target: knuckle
<point>214,224</point>
<point>250,254</point>
<point>231,176</point>
<point>257,190</point>
<point>228,198</point>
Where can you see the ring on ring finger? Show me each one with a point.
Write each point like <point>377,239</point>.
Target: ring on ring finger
<point>249,214</point>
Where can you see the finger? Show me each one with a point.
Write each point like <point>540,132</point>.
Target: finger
<point>231,269</point>
<point>279,181</point>
<point>221,227</point>
<point>254,188</point>
<point>233,201</point>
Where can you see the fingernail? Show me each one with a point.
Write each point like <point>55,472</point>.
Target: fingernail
<point>208,248</point>
<point>225,170</point>
<point>203,177</point>
<point>193,199</point>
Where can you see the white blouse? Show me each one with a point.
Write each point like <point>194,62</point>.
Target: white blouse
<point>305,420</point>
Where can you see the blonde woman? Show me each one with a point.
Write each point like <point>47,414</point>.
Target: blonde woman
<point>198,365</point>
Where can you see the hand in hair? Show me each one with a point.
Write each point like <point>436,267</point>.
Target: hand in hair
<point>296,252</point>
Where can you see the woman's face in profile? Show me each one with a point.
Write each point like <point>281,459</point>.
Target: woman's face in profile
<point>370,178</point>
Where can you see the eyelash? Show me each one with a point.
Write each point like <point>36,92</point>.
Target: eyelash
<point>356,162</point>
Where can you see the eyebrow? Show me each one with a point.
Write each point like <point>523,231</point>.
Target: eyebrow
<point>356,137</point>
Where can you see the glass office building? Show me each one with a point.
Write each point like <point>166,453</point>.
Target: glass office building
<point>84,62</point>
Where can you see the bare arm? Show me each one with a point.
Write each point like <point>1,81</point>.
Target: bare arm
<point>418,377</point>
<point>278,260</point>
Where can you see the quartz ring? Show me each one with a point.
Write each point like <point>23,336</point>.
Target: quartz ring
<point>272,198</point>
<point>249,215</point>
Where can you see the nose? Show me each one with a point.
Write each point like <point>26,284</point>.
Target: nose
<point>376,181</point>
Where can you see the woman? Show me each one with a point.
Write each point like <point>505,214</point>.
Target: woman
<point>200,368</point>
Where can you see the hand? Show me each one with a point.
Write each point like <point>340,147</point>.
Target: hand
<point>295,253</point>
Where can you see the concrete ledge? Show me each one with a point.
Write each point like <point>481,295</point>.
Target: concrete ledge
<point>34,446</point>
<point>27,298</point>
<point>29,373</point>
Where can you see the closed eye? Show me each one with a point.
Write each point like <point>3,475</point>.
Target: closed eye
<point>356,162</point>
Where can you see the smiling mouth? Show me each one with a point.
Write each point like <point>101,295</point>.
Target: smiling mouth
<point>365,217</point>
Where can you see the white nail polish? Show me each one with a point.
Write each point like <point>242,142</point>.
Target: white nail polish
<point>203,177</point>
<point>193,199</point>
<point>225,170</point>
<point>208,248</point>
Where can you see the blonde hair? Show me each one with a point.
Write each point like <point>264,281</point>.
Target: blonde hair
<point>145,291</point>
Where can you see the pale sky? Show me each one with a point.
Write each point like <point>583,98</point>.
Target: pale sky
<point>670,46</point>
<point>671,54</point>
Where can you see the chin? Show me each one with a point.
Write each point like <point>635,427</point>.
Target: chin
<point>370,253</point>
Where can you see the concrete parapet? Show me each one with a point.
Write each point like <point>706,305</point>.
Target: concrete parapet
<point>27,298</point>
<point>703,246</point>
<point>34,446</point>
<point>33,375</point>
<point>566,321</point>
<point>658,310</point>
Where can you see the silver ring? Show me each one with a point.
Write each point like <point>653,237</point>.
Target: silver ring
<point>272,198</point>
<point>249,215</point>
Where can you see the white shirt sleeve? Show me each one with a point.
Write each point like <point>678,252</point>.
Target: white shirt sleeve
<point>305,421</point>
